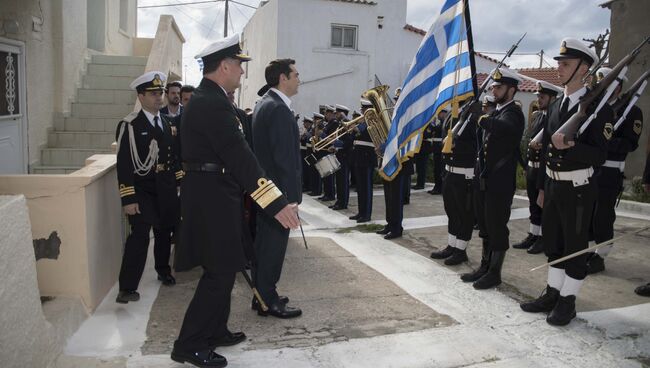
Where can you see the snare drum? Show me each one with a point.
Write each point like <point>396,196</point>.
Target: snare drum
<point>327,165</point>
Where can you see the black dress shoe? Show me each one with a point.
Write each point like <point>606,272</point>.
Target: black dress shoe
<point>544,304</point>
<point>383,231</point>
<point>326,199</point>
<point>313,194</point>
<point>335,204</point>
<point>564,311</point>
<point>416,187</point>
<point>337,207</point>
<point>643,290</point>
<point>167,280</point>
<point>201,359</point>
<point>458,257</point>
<point>595,264</point>
<point>281,311</point>
<point>393,235</point>
<point>436,190</point>
<point>526,243</point>
<point>361,220</point>
<point>230,339</point>
<point>354,217</point>
<point>447,252</point>
<point>537,247</point>
<point>125,296</point>
<point>282,299</point>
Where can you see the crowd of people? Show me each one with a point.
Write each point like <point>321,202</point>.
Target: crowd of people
<point>239,178</point>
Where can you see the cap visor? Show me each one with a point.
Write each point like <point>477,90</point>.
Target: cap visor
<point>243,57</point>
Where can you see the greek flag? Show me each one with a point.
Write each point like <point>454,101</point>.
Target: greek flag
<point>441,74</point>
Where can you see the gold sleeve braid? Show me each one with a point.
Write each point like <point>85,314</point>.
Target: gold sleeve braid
<point>266,192</point>
<point>180,174</point>
<point>126,191</point>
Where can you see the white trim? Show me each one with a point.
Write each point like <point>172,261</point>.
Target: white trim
<point>18,47</point>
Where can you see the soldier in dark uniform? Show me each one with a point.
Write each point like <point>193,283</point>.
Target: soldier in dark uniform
<point>457,193</point>
<point>422,157</point>
<point>644,290</point>
<point>499,136</point>
<point>148,172</point>
<point>394,201</point>
<point>568,191</point>
<point>331,124</point>
<point>305,137</point>
<point>609,177</point>
<point>364,160</point>
<point>546,94</point>
<point>218,167</point>
<point>343,149</point>
<point>314,178</point>
<point>438,132</point>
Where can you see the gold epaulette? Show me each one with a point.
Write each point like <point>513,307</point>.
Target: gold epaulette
<point>126,191</point>
<point>265,193</point>
<point>180,174</point>
<point>129,118</point>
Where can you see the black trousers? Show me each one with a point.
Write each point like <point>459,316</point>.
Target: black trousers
<point>492,210</point>
<point>135,252</point>
<point>610,185</point>
<point>270,248</point>
<point>363,176</point>
<point>343,184</point>
<point>566,220</point>
<point>437,167</point>
<point>206,318</point>
<point>315,181</point>
<point>406,189</point>
<point>421,163</point>
<point>457,194</point>
<point>393,196</point>
<point>532,191</point>
<point>328,186</point>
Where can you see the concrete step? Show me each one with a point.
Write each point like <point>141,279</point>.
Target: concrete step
<point>69,156</point>
<point>91,124</point>
<point>101,110</point>
<point>106,96</point>
<point>119,60</point>
<point>80,139</point>
<point>106,82</point>
<point>50,170</point>
<point>132,71</point>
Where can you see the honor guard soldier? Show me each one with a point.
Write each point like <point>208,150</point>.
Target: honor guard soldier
<point>499,136</point>
<point>546,94</point>
<point>610,175</point>
<point>314,177</point>
<point>568,191</point>
<point>343,148</point>
<point>305,137</point>
<point>422,157</point>
<point>331,124</point>
<point>219,167</point>
<point>438,131</point>
<point>364,160</point>
<point>148,172</point>
<point>459,157</point>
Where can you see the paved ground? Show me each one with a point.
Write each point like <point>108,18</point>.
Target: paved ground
<point>369,302</point>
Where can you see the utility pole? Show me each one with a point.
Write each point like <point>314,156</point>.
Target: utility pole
<point>541,58</point>
<point>225,20</point>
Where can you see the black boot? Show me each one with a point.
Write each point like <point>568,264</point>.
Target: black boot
<point>544,304</point>
<point>383,231</point>
<point>526,243</point>
<point>595,264</point>
<point>442,254</point>
<point>459,256</point>
<point>564,311</point>
<point>537,247</point>
<point>482,270</point>
<point>492,277</point>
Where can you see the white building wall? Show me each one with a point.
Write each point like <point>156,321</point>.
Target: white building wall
<point>331,75</point>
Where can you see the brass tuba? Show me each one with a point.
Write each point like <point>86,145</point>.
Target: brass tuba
<point>378,117</point>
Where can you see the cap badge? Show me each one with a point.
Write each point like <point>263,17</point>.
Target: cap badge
<point>497,75</point>
<point>157,82</point>
<point>563,48</point>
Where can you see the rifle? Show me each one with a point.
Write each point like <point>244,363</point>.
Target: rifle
<point>603,90</point>
<point>630,97</point>
<point>465,114</point>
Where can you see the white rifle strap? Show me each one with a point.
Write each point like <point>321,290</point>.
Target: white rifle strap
<point>632,102</point>
<point>608,93</point>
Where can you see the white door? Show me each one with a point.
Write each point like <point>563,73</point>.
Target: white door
<point>13,149</point>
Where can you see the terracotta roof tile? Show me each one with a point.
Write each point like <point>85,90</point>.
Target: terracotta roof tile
<point>546,74</point>
<point>414,29</point>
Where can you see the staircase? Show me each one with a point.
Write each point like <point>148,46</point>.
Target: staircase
<point>101,103</point>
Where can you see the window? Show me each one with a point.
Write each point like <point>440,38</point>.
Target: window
<point>124,15</point>
<point>344,36</point>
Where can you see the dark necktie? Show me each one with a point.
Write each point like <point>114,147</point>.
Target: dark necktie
<point>565,106</point>
<point>155,122</point>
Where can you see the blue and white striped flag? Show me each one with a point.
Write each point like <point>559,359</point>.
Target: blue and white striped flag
<point>441,73</point>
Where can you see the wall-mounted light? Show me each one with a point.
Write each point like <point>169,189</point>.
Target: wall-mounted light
<point>380,22</point>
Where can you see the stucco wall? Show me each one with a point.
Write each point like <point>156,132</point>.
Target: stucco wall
<point>629,22</point>
<point>120,42</point>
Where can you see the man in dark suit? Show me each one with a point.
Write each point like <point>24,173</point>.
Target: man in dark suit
<point>499,136</point>
<point>148,184</point>
<point>277,147</point>
<point>219,166</point>
<point>364,160</point>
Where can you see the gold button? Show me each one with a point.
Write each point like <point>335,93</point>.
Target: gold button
<point>550,154</point>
